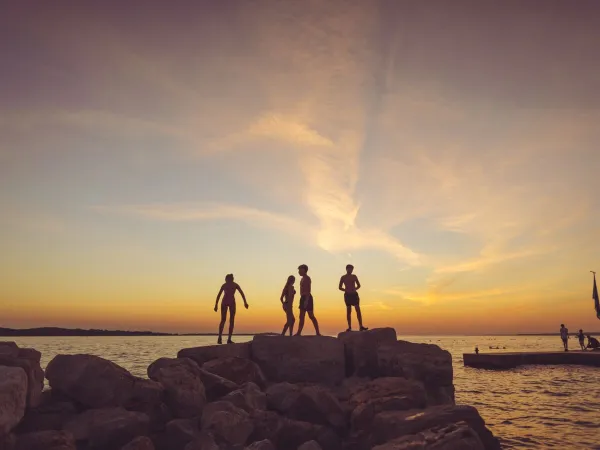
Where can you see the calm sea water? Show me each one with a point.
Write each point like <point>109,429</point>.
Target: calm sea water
<point>528,407</point>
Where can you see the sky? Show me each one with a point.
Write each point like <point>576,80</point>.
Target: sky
<point>448,150</point>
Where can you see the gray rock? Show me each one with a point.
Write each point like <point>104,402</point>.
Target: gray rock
<point>458,436</point>
<point>46,440</point>
<point>312,359</point>
<point>216,386</point>
<point>310,445</point>
<point>204,354</point>
<point>184,391</point>
<point>227,423</point>
<point>29,360</point>
<point>13,397</point>
<point>249,398</point>
<point>92,381</point>
<point>265,444</point>
<point>361,350</point>
<point>238,370</point>
<point>139,443</point>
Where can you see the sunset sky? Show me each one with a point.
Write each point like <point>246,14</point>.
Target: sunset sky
<point>449,150</point>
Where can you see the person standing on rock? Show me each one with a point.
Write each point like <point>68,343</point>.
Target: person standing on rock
<point>564,335</point>
<point>287,301</point>
<point>228,290</point>
<point>349,284</point>
<point>306,300</point>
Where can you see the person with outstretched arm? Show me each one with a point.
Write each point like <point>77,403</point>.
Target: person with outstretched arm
<point>306,300</point>
<point>228,304</point>
<point>350,285</point>
<point>581,338</point>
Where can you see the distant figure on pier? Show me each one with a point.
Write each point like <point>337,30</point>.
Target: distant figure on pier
<point>306,300</point>
<point>564,335</point>
<point>349,284</point>
<point>287,301</point>
<point>593,343</point>
<point>228,290</point>
<point>476,350</point>
<point>581,338</point>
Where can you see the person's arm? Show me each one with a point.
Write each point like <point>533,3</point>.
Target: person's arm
<point>218,297</point>
<point>282,294</point>
<point>357,283</point>
<point>341,283</point>
<point>243,296</point>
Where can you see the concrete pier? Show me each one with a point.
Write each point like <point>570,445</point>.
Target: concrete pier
<point>500,361</point>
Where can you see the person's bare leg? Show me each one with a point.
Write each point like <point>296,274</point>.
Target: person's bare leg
<point>301,323</point>
<point>222,324</point>
<point>231,323</point>
<point>312,317</point>
<point>349,317</point>
<point>359,317</point>
<point>285,328</point>
<point>290,321</point>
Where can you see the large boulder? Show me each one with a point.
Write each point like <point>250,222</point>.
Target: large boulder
<point>227,423</point>
<point>139,443</point>
<point>13,397</point>
<point>310,445</point>
<point>238,370</point>
<point>456,436</point>
<point>51,414</point>
<point>265,444</point>
<point>29,360</point>
<point>249,397</point>
<point>204,441</point>
<point>107,428</point>
<point>361,349</point>
<point>424,362</point>
<point>313,359</point>
<point>92,381</point>
<point>314,404</point>
<point>204,354</point>
<point>184,391</point>
<point>148,396</point>
<point>46,440</point>
<point>180,432</point>
<point>216,386</point>
<point>383,394</point>
<point>390,425</point>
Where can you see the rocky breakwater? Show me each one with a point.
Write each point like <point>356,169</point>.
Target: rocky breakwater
<point>357,391</point>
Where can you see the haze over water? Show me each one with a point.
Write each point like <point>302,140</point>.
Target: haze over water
<point>529,407</point>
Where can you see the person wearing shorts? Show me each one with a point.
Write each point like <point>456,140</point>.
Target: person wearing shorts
<point>306,301</point>
<point>350,285</point>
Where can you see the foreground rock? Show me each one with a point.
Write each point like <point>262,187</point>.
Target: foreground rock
<point>238,370</point>
<point>92,381</point>
<point>139,443</point>
<point>13,397</point>
<point>201,355</point>
<point>458,436</point>
<point>227,423</point>
<point>46,440</point>
<point>29,360</point>
<point>181,378</point>
<point>361,350</point>
<point>298,359</point>
<point>393,424</point>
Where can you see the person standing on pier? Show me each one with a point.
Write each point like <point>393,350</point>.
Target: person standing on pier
<point>306,300</point>
<point>581,338</point>
<point>349,284</point>
<point>564,335</point>
<point>228,290</point>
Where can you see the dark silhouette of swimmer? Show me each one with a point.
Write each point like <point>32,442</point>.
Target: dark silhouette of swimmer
<point>581,338</point>
<point>593,343</point>
<point>287,301</point>
<point>228,290</point>
<point>349,284</point>
<point>306,300</point>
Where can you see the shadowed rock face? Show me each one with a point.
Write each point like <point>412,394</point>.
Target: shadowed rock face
<point>358,392</point>
<point>13,397</point>
<point>313,359</point>
<point>29,360</point>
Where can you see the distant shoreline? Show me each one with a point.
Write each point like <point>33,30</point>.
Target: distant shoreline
<point>78,332</point>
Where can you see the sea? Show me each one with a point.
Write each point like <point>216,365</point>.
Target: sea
<point>528,407</point>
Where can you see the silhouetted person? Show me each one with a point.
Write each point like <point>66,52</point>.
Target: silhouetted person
<point>593,343</point>
<point>477,350</point>
<point>228,290</point>
<point>564,335</point>
<point>287,301</point>
<point>349,284</point>
<point>306,300</point>
<point>581,338</point>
